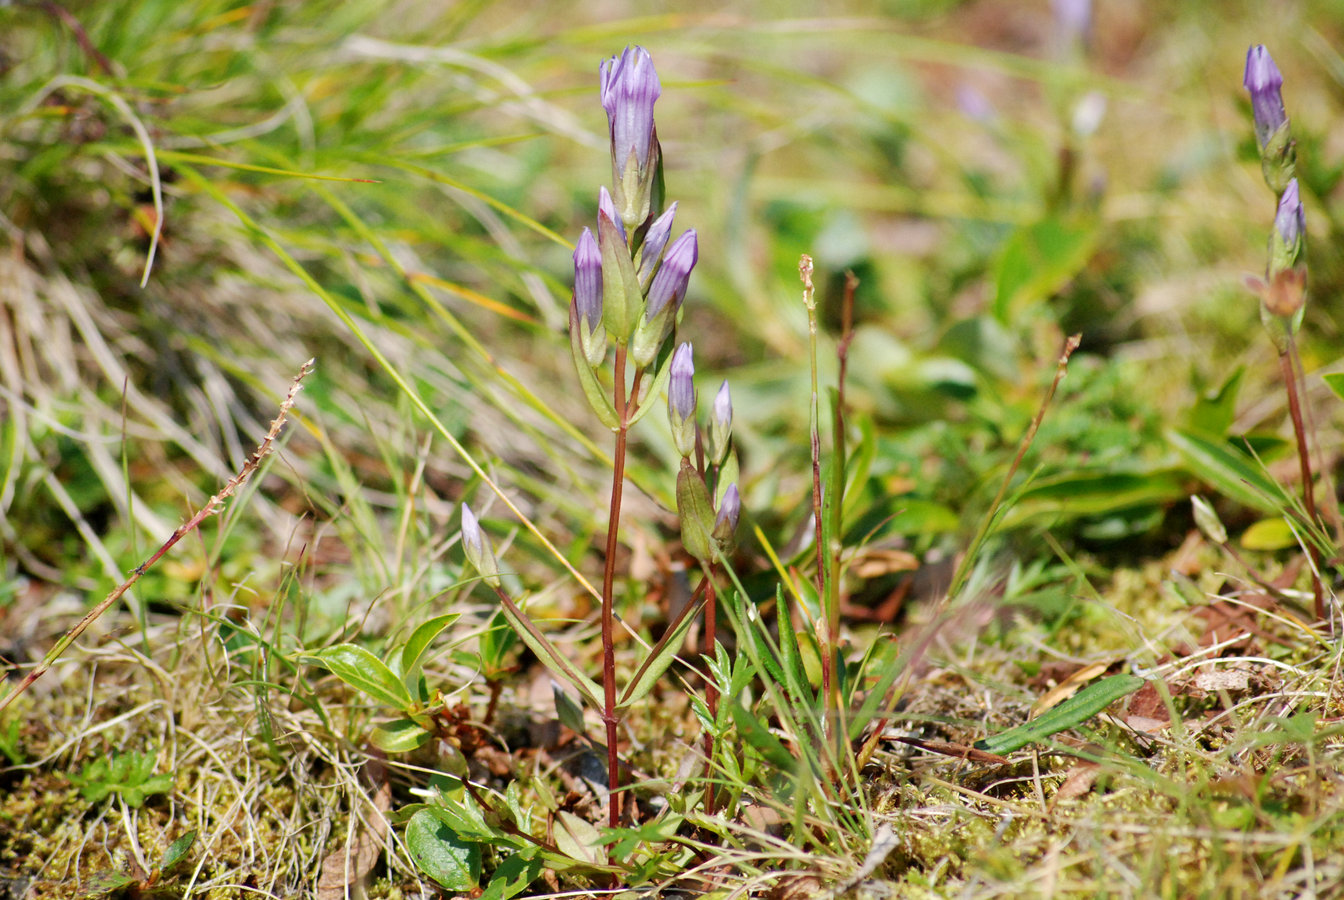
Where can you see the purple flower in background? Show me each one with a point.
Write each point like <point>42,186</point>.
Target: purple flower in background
<point>629,89</point>
<point>672,277</point>
<point>1264,82</point>
<point>1289,220</point>
<point>1074,18</point>
<point>723,408</point>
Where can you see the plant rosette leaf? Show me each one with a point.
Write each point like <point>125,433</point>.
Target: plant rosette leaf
<point>399,736</point>
<point>177,851</point>
<point>1074,711</point>
<point>413,653</point>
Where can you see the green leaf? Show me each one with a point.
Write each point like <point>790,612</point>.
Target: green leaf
<point>1215,411</point>
<point>512,877</point>
<point>578,839</point>
<point>1074,711</point>
<point>412,655</point>
<point>1269,534</point>
<point>441,854</point>
<point>656,663</point>
<point>400,736</point>
<point>1233,473</point>
<point>1077,494</point>
<point>759,737</point>
<point>365,672</point>
<point>1037,260</point>
<point>550,657</point>
<point>1335,381</point>
<point>177,851</point>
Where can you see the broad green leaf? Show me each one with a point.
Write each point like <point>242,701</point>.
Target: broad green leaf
<point>1074,711</point>
<point>512,877</point>
<point>1232,472</point>
<point>1037,260</point>
<point>413,654</point>
<point>1269,534</point>
<point>401,736</point>
<point>363,671</point>
<point>550,657</point>
<point>177,851</point>
<point>441,854</point>
<point>463,817</point>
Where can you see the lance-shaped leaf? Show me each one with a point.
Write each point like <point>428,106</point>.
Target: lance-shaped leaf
<point>363,671</point>
<point>1074,711</point>
<point>550,657</point>
<point>413,654</point>
<point>662,655</point>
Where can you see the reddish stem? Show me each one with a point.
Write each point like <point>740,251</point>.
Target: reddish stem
<point>1308,491</point>
<point>608,587</point>
<point>711,689</point>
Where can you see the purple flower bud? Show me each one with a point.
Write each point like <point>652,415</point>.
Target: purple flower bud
<point>604,205</point>
<point>588,281</point>
<point>669,282</point>
<point>1264,81</point>
<point>477,549</point>
<point>681,400</point>
<point>630,87</point>
<point>730,508</point>
<point>655,239</point>
<point>1289,220</point>
<point>723,408</point>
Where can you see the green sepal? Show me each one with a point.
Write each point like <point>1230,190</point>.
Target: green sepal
<point>650,334</point>
<point>696,512</point>
<point>728,474</point>
<point>622,300</point>
<point>1278,158</point>
<point>592,390</point>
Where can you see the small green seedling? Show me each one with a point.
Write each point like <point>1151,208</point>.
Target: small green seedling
<point>129,774</point>
<point>116,884</point>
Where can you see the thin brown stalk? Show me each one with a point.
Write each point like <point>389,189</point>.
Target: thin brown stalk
<point>711,689</point>
<point>814,423</point>
<point>608,588</point>
<point>212,507</point>
<point>1290,381</point>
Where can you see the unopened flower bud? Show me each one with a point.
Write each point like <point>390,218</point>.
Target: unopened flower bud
<point>1263,81</point>
<point>1278,154</point>
<point>654,242</point>
<point>681,400</point>
<point>588,298</point>
<point>630,87</point>
<point>720,425</point>
<point>605,205</point>
<point>477,548</point>
<point>726,523</point>
<point>665,297</point>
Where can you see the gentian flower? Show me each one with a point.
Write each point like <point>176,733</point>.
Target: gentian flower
<point>720,425</point>
<point>477,548</point>
<point>1263,81</point>
<point>588,298</point>
<point>681,400</point>
<point>629,88</point>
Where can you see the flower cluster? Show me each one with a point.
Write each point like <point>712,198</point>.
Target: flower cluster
<point>1283,292</point>
<point>630,281</point>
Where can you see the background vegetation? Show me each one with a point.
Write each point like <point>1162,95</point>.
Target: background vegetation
<point>393,189</point>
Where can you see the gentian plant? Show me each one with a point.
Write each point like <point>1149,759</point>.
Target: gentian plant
<point>630,281</point>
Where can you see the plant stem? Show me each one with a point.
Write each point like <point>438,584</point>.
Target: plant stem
<point>814,423</point>
<point>608,587</point>
<point>711,689</point>
<point>1290,382</point>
